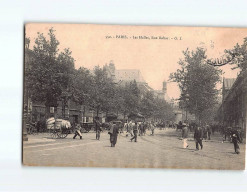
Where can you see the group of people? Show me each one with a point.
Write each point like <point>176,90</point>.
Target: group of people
<point>134,128</point>
<point>204,132</point>
<point>206,129</point>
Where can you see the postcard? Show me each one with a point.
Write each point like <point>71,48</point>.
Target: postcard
<point>134,96</point>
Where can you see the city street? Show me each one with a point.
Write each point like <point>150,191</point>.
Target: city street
<point>163,150</point>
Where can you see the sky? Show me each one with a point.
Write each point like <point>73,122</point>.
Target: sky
<point>93,45</point>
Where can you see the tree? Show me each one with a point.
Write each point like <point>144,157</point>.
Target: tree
<point>132,97</point>
<point>147,105</point>
<point>118,104</point>
<point>239,53</point>
<point>49,76</point>
<point>163,110</point>
<point>197,82</point>
<point>102,91</point>
<point>82,84</point>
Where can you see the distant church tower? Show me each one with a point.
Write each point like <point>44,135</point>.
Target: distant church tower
<point>164,89</point>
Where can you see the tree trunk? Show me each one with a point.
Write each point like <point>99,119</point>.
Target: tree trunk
<point>97,114</point>
<point>48,110</point>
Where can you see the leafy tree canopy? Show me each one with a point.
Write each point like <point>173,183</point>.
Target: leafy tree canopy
<point>197,82</point>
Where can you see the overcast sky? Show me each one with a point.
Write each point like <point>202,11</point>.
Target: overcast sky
<point>155,58</point>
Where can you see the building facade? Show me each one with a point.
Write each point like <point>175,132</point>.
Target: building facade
<point>233,110</point>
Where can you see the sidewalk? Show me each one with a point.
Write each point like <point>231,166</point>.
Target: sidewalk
<point>40,138</point>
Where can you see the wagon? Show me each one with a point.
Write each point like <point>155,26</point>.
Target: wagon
<point>58,128</point>
<point>86,127</point>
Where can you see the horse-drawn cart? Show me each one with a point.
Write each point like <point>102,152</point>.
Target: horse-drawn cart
<point>58,128</point>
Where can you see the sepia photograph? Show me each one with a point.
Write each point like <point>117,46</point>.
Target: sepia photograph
<point>129,96</point>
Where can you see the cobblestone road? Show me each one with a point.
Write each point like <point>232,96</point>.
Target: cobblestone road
<point>163,150</point>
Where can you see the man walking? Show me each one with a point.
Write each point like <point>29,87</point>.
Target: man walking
<point>198,136</point>
<point>113,134</point>
<point>140,129</point>
<point>97,128</point>
<point>209,131</point>
<point>235,139</point>
<point>135,129</point>
<point>78,131</point>
<point>152,128</point>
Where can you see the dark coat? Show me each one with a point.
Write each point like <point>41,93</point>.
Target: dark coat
<point>114,134</point>
<point>198,133</point>
<point>235,136</point>
<point>185,132</point>
<point>97,126</point>
<point>135,127</point>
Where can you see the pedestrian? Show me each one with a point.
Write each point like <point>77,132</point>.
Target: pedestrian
<point>130,128</point>
<point>145,127</point>
<point>179,126</point>
<point>152,128</point>
<point>121,126</point>
<point>135,130</point>
<point>113,134</point>
<point>240,133</point>
<point>78,131</point>
<point>235,140</point>
<point>198,136</point>
<point>141,129</point>
<point>126,127</point>
<point>209,132</point>
<point>185,135</point>
<point>97,128</point>
<point>205,133</point>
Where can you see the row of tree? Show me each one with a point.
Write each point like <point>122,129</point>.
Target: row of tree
<point>197,81</point>
<point>51,77</point>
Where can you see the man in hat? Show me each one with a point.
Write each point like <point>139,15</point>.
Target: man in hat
<point>198,136</point>
<point>113,134</point>
<point>97,128</point>
<point>78,131</point>
<point>135,130</point>
<point>209,131</point>
<point>235,139</point>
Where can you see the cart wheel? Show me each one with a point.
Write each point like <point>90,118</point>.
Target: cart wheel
<point>63,133</point>
<point>54,134</point>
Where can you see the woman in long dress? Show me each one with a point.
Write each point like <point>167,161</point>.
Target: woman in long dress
<point>185,135</point>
